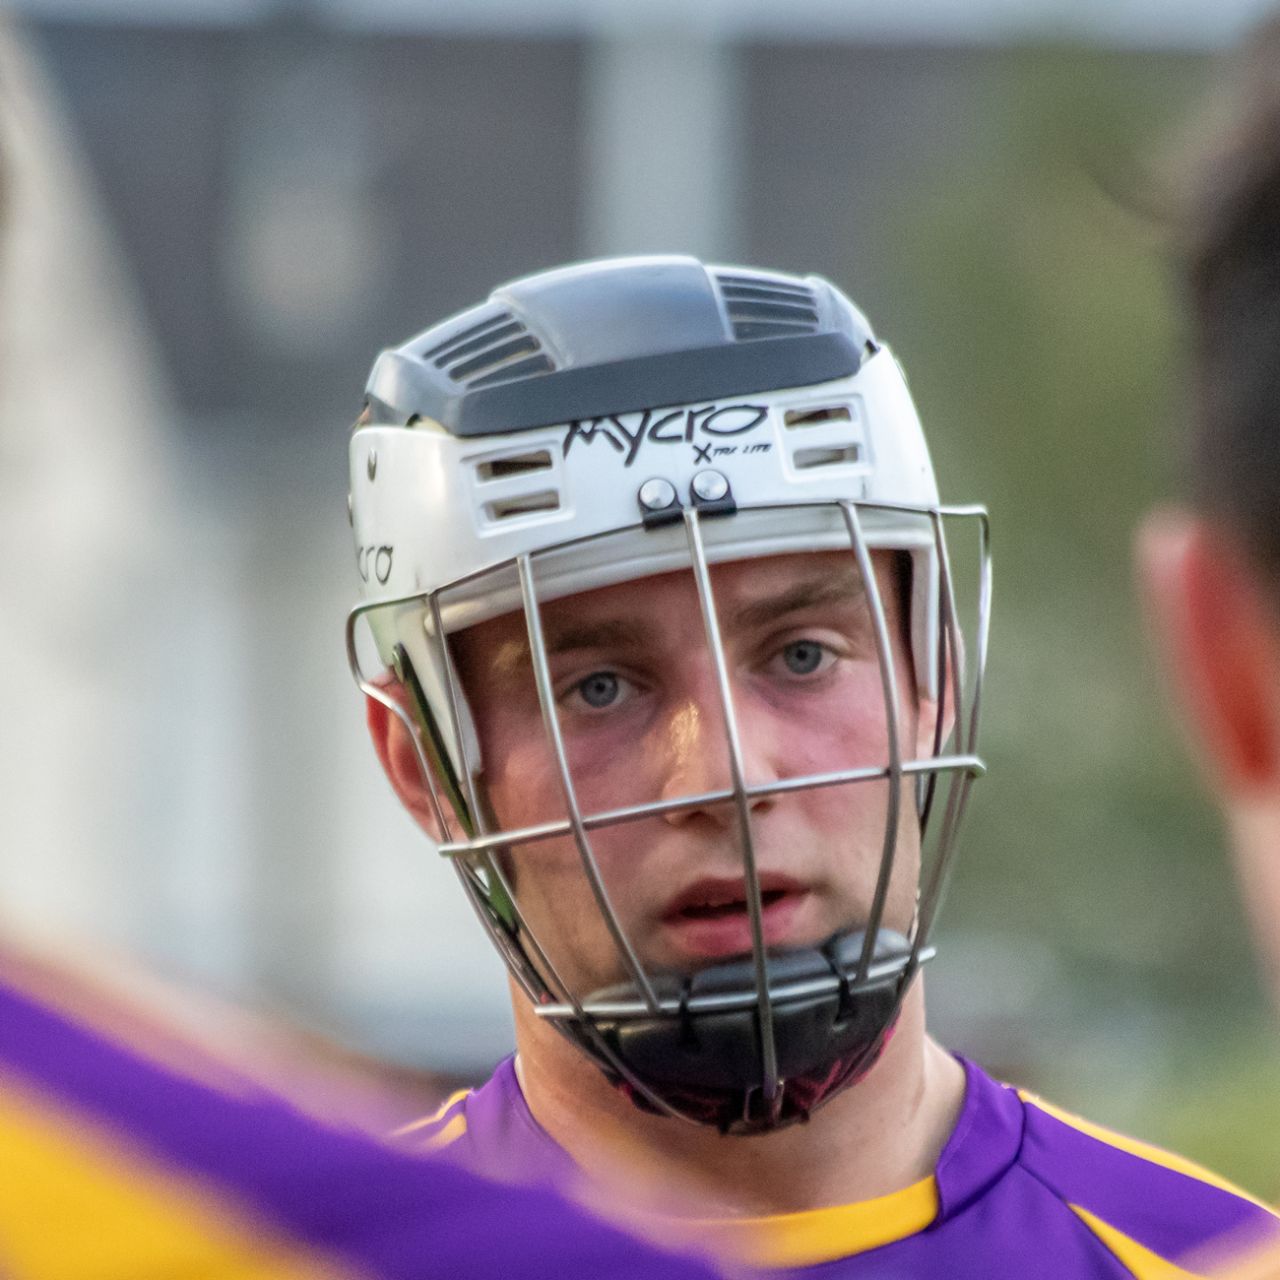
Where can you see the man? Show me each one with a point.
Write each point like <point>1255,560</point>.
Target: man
<point>1212,570</point>
<point>661,645</point>
<point>129,1152</point>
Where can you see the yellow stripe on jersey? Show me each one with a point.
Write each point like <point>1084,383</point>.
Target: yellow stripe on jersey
<point>73,1203</point>
<point>1144,1151</point>
<point>1140,1261</point>
<point>448,1135</point>
<point>821,1235</point>
<point>435,1117</point>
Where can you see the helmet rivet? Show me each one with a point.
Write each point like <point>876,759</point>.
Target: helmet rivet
<point>657,494</point>
<point>709,486</point>
<point>371,465</point>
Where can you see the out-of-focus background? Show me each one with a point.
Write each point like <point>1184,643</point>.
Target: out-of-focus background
<point>220,211</point>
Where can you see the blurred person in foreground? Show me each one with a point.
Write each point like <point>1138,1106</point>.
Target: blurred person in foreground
<point>127,1152</point>
<point>661,642</point>
<point>1211,569</point>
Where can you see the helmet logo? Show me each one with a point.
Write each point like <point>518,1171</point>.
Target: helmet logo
<point>374,562</point>
<point>703,428</point>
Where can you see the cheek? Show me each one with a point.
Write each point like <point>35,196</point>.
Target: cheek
<point>519,773</point>
<point>524,787</point>
<point>842,728</point>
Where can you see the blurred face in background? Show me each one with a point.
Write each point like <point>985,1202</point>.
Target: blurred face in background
<point>1212,570</point>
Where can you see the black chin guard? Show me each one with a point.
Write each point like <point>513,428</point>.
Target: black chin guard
<point>706,1056</point>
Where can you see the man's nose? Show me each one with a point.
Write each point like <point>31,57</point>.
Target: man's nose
<point>696,758</point>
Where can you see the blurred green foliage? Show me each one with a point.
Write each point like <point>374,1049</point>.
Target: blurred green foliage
<point>1035,313</point>
<point>1221,1107</point>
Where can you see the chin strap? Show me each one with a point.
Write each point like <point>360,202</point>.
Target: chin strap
<point>746,1112</point>
<point>704,1058</point>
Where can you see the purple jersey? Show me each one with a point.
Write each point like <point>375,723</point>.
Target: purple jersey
<point>1020,1190</point>
<point>116,1168</point>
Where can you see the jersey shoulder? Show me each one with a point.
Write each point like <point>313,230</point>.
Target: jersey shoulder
<point>1150,1207</point>
<point>436,1132</point>
<point>491,1131</point>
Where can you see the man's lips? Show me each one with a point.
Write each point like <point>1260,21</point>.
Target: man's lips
<point>710,918</point>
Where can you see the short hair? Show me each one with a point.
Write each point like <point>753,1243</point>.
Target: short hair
<point>1231,274</point>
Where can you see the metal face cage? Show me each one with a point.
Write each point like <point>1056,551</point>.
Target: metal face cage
<point>750,1042</point>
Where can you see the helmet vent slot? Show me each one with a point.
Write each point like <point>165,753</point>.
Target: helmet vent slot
<point>478,369</point>
<point>473,338</point>
<point>522,504</point>
<point>826,435</point>
<point>818,417</point>
<point>828,456</point>
<point>768,306</point>
<point>499,349</point>
<point>516,465</point>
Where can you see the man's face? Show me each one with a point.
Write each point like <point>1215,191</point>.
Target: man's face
<point>639,710</point>
<point>1214,615</point>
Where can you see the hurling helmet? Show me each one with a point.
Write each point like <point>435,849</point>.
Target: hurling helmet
<point>613,420</point>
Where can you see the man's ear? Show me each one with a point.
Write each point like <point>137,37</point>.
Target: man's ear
<point>926,724</point>
<point>1220,639</point>
<point>395,748</point>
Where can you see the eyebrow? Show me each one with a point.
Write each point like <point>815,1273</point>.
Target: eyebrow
<point>610,634</point>
<point>811,593</point>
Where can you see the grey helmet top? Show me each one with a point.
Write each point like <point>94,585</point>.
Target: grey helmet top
<point>623,334</point>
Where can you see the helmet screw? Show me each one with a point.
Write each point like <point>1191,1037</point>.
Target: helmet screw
<point>371,465</point>
<point>657,494</point>
<point>709,486</point>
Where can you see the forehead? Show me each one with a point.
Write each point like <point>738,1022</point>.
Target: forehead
<point>748,594</point>
<point>825,576</point>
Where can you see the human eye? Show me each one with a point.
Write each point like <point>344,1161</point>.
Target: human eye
<point>803,658</point>
<point>599,691</point>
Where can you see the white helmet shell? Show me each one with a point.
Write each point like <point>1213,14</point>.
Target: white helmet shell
<point>438,499</point>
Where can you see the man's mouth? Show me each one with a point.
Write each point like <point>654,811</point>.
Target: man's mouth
<point>711,919</point>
